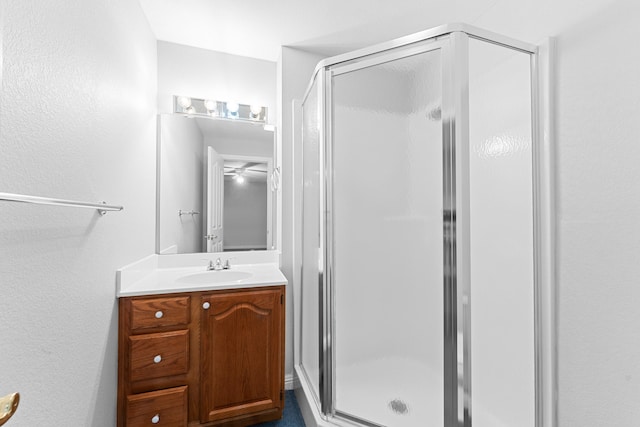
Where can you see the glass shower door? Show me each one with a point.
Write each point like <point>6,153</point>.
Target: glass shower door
<point>386,251</point>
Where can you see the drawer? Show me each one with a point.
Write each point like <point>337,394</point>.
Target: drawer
<point>167,408</point>
<point>159,355</point>
<point>155,312</point>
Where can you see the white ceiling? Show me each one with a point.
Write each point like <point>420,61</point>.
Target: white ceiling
<point>259,28</point>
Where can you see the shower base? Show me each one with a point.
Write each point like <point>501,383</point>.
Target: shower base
<point>392,391</point>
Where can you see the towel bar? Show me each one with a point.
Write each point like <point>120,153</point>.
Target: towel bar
<point>101,207</point>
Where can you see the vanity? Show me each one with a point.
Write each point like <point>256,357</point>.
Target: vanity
<point>199,347</point>
<point>201,323</point>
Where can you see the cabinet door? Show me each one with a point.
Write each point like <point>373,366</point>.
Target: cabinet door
<point>241,353</point>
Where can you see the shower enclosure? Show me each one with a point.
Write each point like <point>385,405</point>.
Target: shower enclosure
<point>422,295</point>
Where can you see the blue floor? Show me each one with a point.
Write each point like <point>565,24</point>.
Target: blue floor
<point>291,416</point>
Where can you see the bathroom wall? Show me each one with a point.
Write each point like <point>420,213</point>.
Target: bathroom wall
<point>77,121</point>
<point>598,206</point>
<point>201,73</point>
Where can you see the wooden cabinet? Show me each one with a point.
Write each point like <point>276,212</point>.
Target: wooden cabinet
<point>154,337</point>
<point>241,354</point>
<point>211,358</point>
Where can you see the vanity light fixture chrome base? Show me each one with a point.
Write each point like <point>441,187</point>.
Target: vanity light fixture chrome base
<point>219,109</point>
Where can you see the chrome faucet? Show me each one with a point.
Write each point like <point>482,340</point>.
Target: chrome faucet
<point>215,267</point>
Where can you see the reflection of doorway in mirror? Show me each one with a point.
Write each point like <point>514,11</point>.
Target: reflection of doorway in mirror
<point>247,203</point>
<point>183,184</point>
<point>215,201</point>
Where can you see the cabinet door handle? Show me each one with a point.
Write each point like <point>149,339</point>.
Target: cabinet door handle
<point>157,359</point>
<point>155,419</point>
<point>206,306</point>
<point>159,314</point>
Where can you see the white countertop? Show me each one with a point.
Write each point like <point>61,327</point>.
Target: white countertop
<point>151,281</point>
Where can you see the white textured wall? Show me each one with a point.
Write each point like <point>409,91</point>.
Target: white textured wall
<point>598,106</point>
<point>201,73</point>
<point>77,120</point>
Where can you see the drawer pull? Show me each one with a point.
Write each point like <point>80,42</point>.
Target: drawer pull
<point>155,419</point>
<point>159,314</point>
<point>206,306</point>
<point>157,359</point>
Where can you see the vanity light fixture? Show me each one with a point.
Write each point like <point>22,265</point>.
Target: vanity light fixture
<point>233,107</point>
<point>255,110</point>
<point>219,109</point>
<point>211,106</point>
<point>184,102</point>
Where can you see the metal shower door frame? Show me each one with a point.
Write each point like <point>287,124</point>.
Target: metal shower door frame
<point>327,382</point>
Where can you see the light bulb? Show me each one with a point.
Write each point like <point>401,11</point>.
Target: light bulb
<point>184,102</point>
<point>256,110</point>
<point>233,107</point>
<point>240,179</point>
<point>210,105</point>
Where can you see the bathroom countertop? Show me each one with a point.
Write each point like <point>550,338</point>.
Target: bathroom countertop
<point>167,280</point>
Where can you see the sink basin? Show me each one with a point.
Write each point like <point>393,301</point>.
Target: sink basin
<point>215,277</point>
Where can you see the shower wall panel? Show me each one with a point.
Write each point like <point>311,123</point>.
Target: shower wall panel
<point>501,237</point>
<point>310,298</point>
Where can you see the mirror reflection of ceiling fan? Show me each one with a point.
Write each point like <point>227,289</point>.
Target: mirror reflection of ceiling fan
<point>239,171</point>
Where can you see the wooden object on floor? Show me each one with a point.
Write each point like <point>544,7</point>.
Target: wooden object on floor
<point>8,406</point>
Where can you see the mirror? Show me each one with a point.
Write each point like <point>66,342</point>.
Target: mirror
<point>217,185</point>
